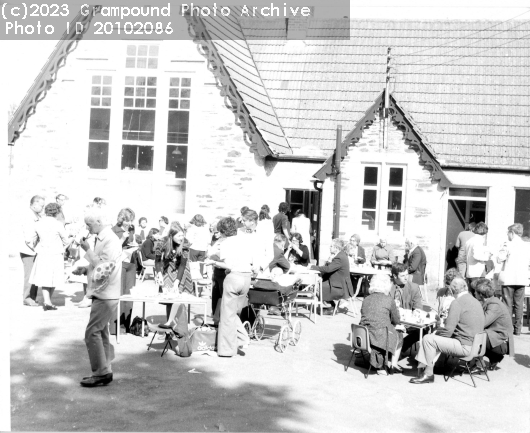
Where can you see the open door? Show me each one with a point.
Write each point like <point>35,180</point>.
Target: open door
<point>465,206</point>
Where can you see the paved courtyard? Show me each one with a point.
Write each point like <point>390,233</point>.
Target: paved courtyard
<point>304,389</point>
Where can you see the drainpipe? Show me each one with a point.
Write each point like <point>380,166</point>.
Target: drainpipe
<point>338,178</point>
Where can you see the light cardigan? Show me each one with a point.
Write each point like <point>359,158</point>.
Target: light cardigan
<point>515,269</point>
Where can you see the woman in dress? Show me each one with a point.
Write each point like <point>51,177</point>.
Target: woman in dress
<point>379,314</point>
<point>51,239</point>
<point>297,252</point>
<point>172,253</point>
<point>236,257</point>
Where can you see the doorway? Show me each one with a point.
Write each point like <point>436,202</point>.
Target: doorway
<point>309,202</point>
<point>465,206</point>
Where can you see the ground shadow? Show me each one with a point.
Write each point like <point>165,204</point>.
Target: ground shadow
<point>149,393</point>
<point>343,354</point>
<point>523,360</point>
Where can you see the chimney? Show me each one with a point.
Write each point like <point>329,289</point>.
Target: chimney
<point>297,22</point>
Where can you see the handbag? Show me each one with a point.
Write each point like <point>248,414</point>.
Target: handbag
<point>136,327</point>
<point>184,346</point>
<point>203,338</point>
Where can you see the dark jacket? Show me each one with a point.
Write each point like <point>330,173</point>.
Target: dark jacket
<point>300,259</point>
<point>416,262</point>
<point>361,255</point>
<point>163,260</point>
<point>337,272</point>
<point>148,249</point>
<point>279,260</point>
<point>379,313</point>
<point>464,320</point>
<point>498,323</point>
<point>409,296</point>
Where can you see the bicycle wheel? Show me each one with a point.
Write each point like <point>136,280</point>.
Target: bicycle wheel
<point>283,338</point>
<point>248,328</point>
<point>296,332</point>
<point>259,327</point>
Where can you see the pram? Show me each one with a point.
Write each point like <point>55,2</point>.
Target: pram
<point>264,294</point>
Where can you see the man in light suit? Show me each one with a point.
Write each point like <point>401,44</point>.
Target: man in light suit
<point>416,260</point>
<point>104,293</point>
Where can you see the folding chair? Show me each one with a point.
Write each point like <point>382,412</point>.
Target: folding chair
<point>145,267</point>
<point>310,295</point>
<point>156,330</point>
<point>360,341</point>
<point>197,278</point>
<point>478,349</point>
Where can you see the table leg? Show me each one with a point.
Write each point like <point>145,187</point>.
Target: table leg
<point>118,323</point>
<point>143,319</point>
<point>205,311</point>
<point>189,314</point>
<point>421,334</point>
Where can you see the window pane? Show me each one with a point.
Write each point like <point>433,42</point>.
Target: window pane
<point>128,157</point>
<point>177,160</point>
<point>369,199</point>
<point>140,81</point>
<point>178,126</point>
<point>142,50</point>
<point>522,210</point>
<point>141,62</point>
<point>153,50</point>
<point>394,200</point>
<point>152,63</point>
<point>185,93</point>
<point>129,81</point>
<point>186,82</point>
<point>107,80</point>
<point>137,157</point>
<point>185,103</point>
<point>173,103</point>
<point>94,102</point>
<point>131,50</point>
<point>140,91</point>
<point>128,102</point>
<point>129,62</point>
<point>96,79</point>
<point>129,91</point>
<point>99,124</point>
<point>368,219</point>
<point>151,92</point>
<point>151,81</point>
<point>396,176</point>
<point>173,93</point>
<point>297,196</point>
<point>96,90</point>
<point>370,176</point>
<point>139,125</point>
<point>394,220</point>
<point>151,103</point>
<point>139,103</point>
<point>105,102</point>
<point>467,192</point>
<point>145,158</point>
<point>107,90</point>
<point>174,82</point>
<point>98,155</point>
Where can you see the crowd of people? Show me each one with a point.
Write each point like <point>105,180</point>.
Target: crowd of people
<point>231,251</point>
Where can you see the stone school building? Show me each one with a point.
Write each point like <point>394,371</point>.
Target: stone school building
<point>246,114</point>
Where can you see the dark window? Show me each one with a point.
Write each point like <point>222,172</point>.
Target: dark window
<point>395,176</point>
<point>468,192</point>
<point>394,200</point>
<point>370,176</point>
<point>98,155</point>
<point>368,219</point>
<point>99,124</point>
<point>177,160</point>
<point>178,127</point>
<point>369,199</point>
<point>522,210</point>
<point>394,221</point>
<point>137,157</point>
<point>139,125</point>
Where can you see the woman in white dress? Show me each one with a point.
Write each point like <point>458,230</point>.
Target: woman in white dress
<point>301,224</point>
<point>51,240</point>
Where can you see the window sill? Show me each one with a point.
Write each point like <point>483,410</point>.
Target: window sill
<point>97,173</point>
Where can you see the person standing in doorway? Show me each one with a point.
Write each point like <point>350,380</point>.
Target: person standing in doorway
<point>302,225</point>
<point>104,293</point>
<point>416,260</point>
<point>27,250</point>
<point>460,243</point>
<point>281,222</point>
<point>477,254</point>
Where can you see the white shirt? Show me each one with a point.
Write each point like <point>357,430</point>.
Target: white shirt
<point>199,237</point>
<point>515,269</point>
<point>476,256</point>
<point>237,253</point>
<point>302,225</point>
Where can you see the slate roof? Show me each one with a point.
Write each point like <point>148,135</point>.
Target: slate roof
<point>465,84</point>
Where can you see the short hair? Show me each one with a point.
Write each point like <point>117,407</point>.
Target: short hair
<point>481,229</point>
<point>52,209</point>
<point>516,229</point>
<point>338,244</point>
<point>412,240</point>
<point>380,283</point>
<point>356,237</point>
<point>484,287</point>
<point>298,212</point>
<point>264,213</point>
<point>459,285</point>
<point>397,268</point>
<point>153,231</point>
<point>250,215</point>
<point>278,237</point>
<point>450,275</point>
<point>243,210</point>
<point>227,227</point>
<point>163,218</point>
<point>298,236</point>
<point>198,220</point>
<point>471,226</point>
<point>36,198</point>
<point>125,215</point>
<point>142,219</point>
<point>284,207</point>
<point>98,213</point>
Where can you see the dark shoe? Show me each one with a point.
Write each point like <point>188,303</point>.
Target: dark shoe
<point>493,366</point>
<point>30,303</point>
<point>48,307</point>
<point>517,333</point>
<point>422,379</point>
<point>93,381</point>
<point>164,326</point>
<point>396,370</point>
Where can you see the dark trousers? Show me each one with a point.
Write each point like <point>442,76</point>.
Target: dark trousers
<point>513,297</point>
<point>330,293</point>
<point>198,256</point>
<point>496,354</point>
<point>218,279</point>
<point>128,281</point>
<point>413,336</point>
<point>30,290</point>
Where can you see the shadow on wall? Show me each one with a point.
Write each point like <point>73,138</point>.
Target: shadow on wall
<point>149,393</point>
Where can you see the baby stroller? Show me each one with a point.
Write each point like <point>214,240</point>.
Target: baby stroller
<point>264,294</point>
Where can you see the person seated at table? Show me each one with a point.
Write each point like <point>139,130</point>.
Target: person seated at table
<point>382,254</point>
<point>464,321</point>
<point>279,260</point>
<point>297,252</point>
<point>380,314</point>
<point>355,251</point>
<point>406,294</point>
<point>148,248</point>
<point>172,254</point>
<point>444,296</point>
<point>498,323</point>
<point>335,276</point>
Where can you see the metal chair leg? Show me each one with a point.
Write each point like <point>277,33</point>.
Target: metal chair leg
<point>470,375</point>
<point>483,365</point>
<point>352,355</point>
<point>154,335</point>
<point>168,342</point>
<point>452,371</point>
